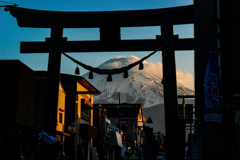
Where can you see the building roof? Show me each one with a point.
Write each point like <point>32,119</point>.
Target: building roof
<point>81,80</point>
<point>41,76</point>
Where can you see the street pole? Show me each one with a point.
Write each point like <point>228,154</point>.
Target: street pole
<point>104,136</point>
<point>76,137</point>
<point>119,114</point>
<point>126,153</point>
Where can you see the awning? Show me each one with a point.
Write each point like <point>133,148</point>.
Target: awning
<point>112,128</point>
<point>114,139</point>
<point>88,130</point>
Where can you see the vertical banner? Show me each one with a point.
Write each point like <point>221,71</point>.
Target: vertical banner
<point>211,90</point>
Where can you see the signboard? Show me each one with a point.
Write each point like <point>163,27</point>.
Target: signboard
<point>195,146</point>
<point>114,139</point>
<point>94,153</point>
<point>211,90</point>
<point>72,128</point>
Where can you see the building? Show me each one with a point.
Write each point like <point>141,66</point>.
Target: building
<point>18,133</point>
<point>228,34</point>
<point>60,126</point>
<point>216,28</point>
<point>79,114</point>
<point>113,141</point>
<point>109,140</point>
<point>41,80</point>
<point>129,119</point>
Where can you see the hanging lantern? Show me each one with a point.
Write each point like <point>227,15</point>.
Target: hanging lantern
<point>109,78</point>
<point>77,71</point>
<point>90,76</point>
<point>125,74</point>
<point>141,66</point>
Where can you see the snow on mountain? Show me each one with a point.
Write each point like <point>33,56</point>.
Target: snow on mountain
<point>142,86</point>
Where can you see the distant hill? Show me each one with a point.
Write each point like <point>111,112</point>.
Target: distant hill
<point>156,113</point>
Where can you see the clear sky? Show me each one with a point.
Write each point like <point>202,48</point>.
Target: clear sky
<point>11,34</point>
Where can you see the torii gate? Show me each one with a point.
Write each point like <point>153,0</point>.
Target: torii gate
<point>109,23</point>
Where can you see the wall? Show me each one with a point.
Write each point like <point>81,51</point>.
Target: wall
<point>26,95</point>
<point>18,100</point>
<point>61,109</point>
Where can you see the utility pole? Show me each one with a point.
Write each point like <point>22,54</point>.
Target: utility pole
<point>120,113</point>
<point>104,135</point>
<point>119,116</point>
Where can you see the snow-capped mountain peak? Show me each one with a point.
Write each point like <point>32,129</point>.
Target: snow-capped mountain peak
<point>142,86</point>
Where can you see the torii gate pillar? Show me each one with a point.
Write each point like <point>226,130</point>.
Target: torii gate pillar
<point>54,63</point>
<point>170,91</point>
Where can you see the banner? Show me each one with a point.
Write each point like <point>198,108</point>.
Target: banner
<point>211,90</point>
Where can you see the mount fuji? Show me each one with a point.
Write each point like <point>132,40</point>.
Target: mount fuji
<point>142,86</point>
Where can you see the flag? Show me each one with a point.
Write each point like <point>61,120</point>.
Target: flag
<point>211,90</point>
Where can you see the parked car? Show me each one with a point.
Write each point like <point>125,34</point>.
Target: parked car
<point>160,156</point>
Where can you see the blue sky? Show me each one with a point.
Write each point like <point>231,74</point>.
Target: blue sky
<point>12,34</point>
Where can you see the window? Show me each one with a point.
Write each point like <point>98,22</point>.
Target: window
<point>60,117</point>
<point>85,114</point>
<point>85,109</point>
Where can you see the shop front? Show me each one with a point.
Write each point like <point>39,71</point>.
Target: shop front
<point>114,145</point>
<point>88,134</point>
